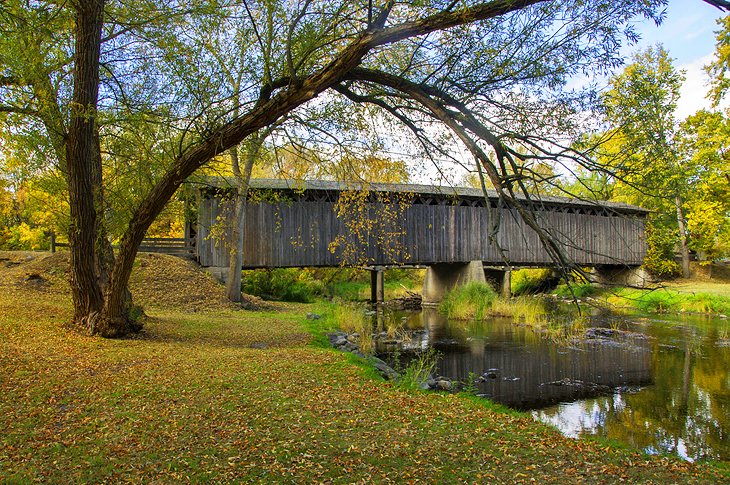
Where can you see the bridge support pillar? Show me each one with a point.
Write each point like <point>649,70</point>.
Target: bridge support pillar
<point>616,275</point>
<point>500,279</point>
<point>377,285</point>
<point>443,277</point>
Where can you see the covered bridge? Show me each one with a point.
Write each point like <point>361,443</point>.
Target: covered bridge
<point>325,223</point>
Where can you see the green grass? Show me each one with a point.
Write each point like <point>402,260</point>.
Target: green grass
<point>577,290</point>
<point>665,300</point>
<point>471,301</point>
<point>418,370</point>
<point>235,396</point>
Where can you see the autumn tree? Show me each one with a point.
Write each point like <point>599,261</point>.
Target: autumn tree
<point>705,137</point>
<point>642,148</point>
<point>488,75</point>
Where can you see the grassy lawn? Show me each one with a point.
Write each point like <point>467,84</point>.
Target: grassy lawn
<point>721,288</point>
<point>227,395</point>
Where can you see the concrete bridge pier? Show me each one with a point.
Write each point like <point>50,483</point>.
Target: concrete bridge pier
<point>377,285</point>
<point>500,279</point>
<point>618,275</point>
<point>443,277</point>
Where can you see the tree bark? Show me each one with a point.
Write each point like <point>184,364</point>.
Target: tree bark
<point>682,237</point>
<point>235,262</point>
<point>82,172</point>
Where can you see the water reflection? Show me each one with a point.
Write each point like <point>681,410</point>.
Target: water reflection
<point>663,386</point>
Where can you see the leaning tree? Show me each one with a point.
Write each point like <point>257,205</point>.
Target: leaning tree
<point>491,76</point>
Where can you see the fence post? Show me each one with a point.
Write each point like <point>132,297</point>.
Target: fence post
<point>53,241</point>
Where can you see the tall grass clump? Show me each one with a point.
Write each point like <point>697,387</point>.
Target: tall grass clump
<point>472,300</point>
<point>351,319</point>
<point>419,369</point>
<point>526,309</point>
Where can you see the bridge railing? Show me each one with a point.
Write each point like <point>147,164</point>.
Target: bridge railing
<point>176,246</point>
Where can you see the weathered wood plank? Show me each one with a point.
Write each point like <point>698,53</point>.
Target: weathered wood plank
<point>299,232</point>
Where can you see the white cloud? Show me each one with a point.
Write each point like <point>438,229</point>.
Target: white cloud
<point>695,88</point>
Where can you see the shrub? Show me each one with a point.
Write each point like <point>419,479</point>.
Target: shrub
<point>287,284</point>
<point>579,290</point>
<point>23,237</point>
<point>531,281</point>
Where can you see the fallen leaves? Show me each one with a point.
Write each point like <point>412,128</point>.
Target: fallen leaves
<point>191,400</point>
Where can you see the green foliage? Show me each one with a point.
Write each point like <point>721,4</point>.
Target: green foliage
<point>720,67</point>
<point>530,281</point>
<point>468,386</point>
<point>23,236</point>
<point>660,243</point>
<point>645,154</point>
<point>472,300</point>
<point>286,284</point>
<point>706,139</point>
<point>579,290</point>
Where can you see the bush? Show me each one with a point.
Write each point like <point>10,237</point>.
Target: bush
<point>23,237</point>
<point>286,284</point>
<point>579,290</point>
<point>531,281</point>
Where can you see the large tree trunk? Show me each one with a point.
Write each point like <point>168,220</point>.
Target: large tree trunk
<point>238,229</point>
<point>82,172</point>
<point>682,237</point>
<point>91,252</point>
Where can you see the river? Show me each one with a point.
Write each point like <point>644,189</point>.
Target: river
<point>659,384</point>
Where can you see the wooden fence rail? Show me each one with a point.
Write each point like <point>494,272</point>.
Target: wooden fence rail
<point>175,246</point>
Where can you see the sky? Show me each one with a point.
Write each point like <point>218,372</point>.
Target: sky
<point>688,34</point>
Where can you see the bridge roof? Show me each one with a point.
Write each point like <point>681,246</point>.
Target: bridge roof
<point>433,190</point>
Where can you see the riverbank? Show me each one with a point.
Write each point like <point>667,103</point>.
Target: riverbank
<point>211,393</point>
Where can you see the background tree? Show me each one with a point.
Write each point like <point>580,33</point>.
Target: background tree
<point>642,148</point>
<point>706,140</point>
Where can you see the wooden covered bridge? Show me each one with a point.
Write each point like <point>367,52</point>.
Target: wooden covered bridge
<point>324,223</point>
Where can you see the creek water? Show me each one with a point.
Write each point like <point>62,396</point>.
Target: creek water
<point>659,384</point>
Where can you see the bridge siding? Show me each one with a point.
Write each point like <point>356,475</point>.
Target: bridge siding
<point>290,234</point>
